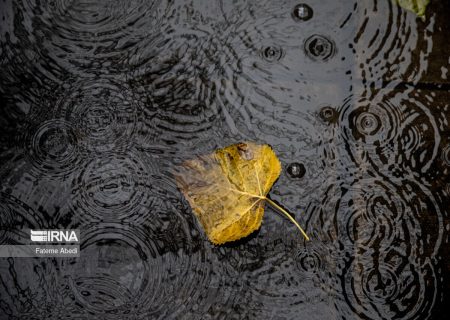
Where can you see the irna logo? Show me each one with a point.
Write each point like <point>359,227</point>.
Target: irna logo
<point>54,236</point>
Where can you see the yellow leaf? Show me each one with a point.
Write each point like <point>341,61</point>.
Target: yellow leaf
<point>416,6</point>
<point>227,189</point>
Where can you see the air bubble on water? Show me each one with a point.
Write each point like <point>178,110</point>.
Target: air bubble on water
<point>302,12</point>
<point>319,48</point>
<point>296,170</point>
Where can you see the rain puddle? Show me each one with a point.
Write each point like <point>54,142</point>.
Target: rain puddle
<point>99,99</point>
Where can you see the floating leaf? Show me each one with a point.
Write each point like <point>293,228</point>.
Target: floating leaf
<point>227,189</point>
<point>417,6</point>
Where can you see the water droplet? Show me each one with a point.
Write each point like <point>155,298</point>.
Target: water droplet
<point>329,114</point>
<point>302,12</point>
<point>272,53</point>
<point>296,170</point>
<point>319,47</point>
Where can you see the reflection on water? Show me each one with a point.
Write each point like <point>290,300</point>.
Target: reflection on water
<point>101,98</point>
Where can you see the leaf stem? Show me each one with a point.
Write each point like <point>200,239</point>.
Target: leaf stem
<point>276,206</point>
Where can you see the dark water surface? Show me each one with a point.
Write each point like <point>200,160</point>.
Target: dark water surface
<point>99,99</point>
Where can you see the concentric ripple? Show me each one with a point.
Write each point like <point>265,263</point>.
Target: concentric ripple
<point>391,133</point>
<point>90,36</point>
<point>180,109</point>
<point>103,114</point>
<point>272,53</point>
<point>375,43</point>
<point>368,123</point>
<point>179,100</point>
<point>53,147</point>
<point>139,271</point>
<point>263,83</point>
<point>118,186</point>
<point>269,265</point>
<point>376,231</point>
<point>385,42</point>
<point>377,290</point>
<point>309,260</point>
<point>372,123</point>
<point>376,213</point>
<point>373,216</point>
<point>121,275</point>
<point>158,242</point>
